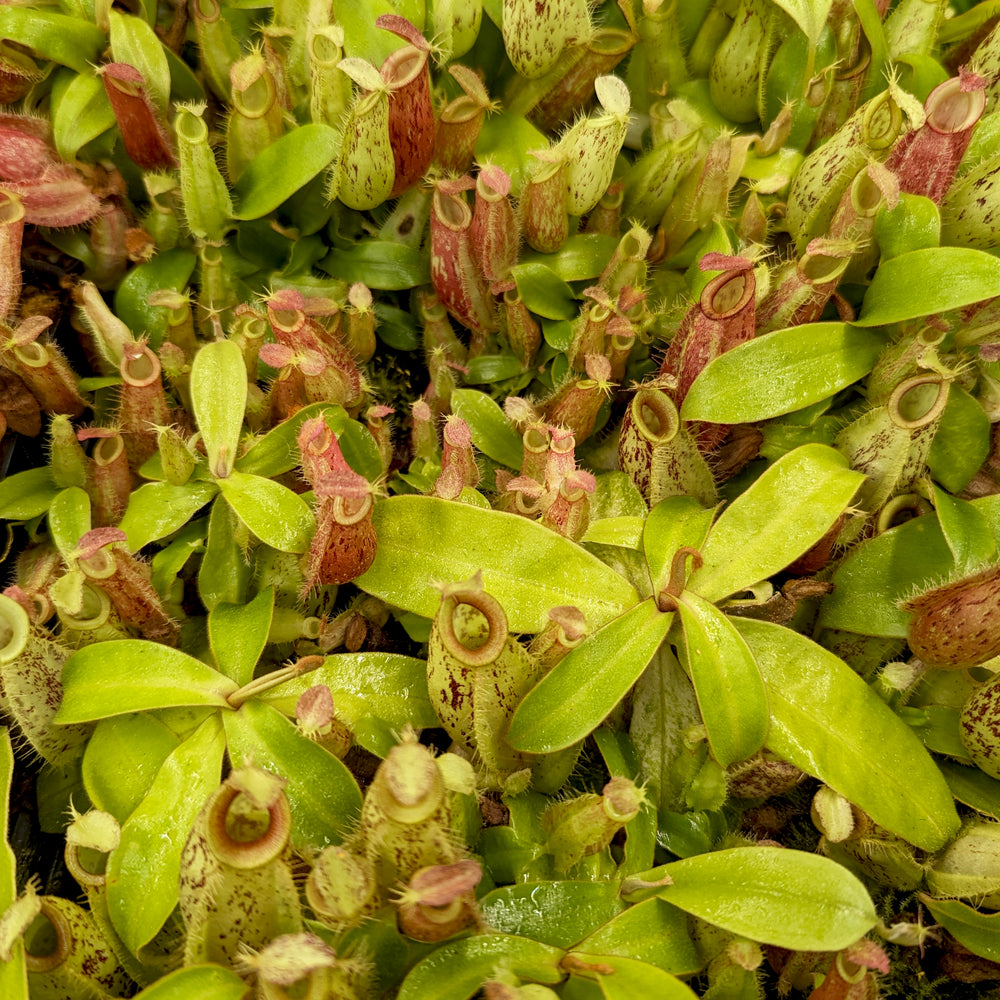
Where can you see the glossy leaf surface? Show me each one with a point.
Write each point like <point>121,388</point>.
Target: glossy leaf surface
<point>71,41</point>
<point>962,441</point>
<point>276,515</point>
<point>526,567</point>
<point>159,509</point>
<point>773,895</point>
<point>27,494</point>
<point>923,282</point>
<point>144,869</point>
<point>491,432</point>
<point>238,634</point>
<point>69,519</point>
<point>206,982</point>
<point>457,969</point>
<point>674,523</point>
<point>631,978</point>
<point>583,687</point>
<point>727,681</point>
<point>809,15</point>
<point>781,372</point>
<point>323,794</point>
<point>132,675</point>
<point>979,932</point>
<point>782,514</point>
<point>827,721</point>
<point>965,531</point>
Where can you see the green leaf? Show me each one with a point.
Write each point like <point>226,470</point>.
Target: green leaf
<point>773,895</point>
<point>580,258</point>
<point>238,634</point>
<point>133,675</point>
<point>789,508</point>
<point>13,973</point>
<point>324,796</point>
<point>159,509</point>
<point>170,269</point>
<point>674,523</point>
<point>488,368</point>
<point>144,870</point>
<point>965,530</point>
<point>206,982</point>
<point>70,41</point>
<point>422,540</point>
<point>134,42</point>
<point>979,932</point>
<point>492,432</point>
<point>781,372</point>
<point>582,688</point>
<point>961,443</point>
<point>80,111</point>
<point>219,398</point>
<point>457,969</point>
<point>121,761</point>
<point>528,909</point>
<point>544,292</point>
<point>362,38</point>
<point>809,15</point>
<point>829,723</point>
<point>651,931</point>
<point>631,978</point>
<point>871,24</point>
<point>731,693</point>
<point>272,512</point>
<point>69,519</point>
<point>384,686</point>
<point>280,169</point>
<point>925,282</point>
<point>913,224</point>
<point>26,494</point>
<point>277,451</point>
<point>507,140</point>
<point>225,571</point>
<point>972,787</point>
<point>380,265</point>
<point>873,578</point>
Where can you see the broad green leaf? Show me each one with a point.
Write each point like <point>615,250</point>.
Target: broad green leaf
<point>238,634</point>
<point>631,978</point>
<point>625,532</point>
<point>582,688</point>
<point>159,509</point>
<point>143,871</point>
<point>80,111</point>
<point>134,42</point>
<point>457,969</point>
<point>324,796</point>
<point>529,908</point>
<point>379,264</point>
<point>276,515</point>
<point>674,523</point>
<point>979,932</point>
<point>789,508</point>
<point>69,519</point>
<point>280,169</point>
<point>913,224</point>
<point>829,723</point>
<point>526,567</point>
<point>170,560</point>
<point>651,931</point>
<point>543,292</point>
<point>961,443</point>
<point>773,895</point>
<point>488,368</point>
<point>133,675</point>
<point>972,787</point>
<point>616,496</point>
<point>26,494</point>
<point>492,432</point>
<point>225,571</point>
<point>965,530</point>
<point>873,578</point>
<point>70,41</point>
<point>206,982</point>
<point>365,686</point>
<point>169,269</point>
<point>924,282</point>
<point>219,398</point>
<point>362,38</point>
<point>13,973</point>
<point>580,258</point>
<point>122,758</point>
<point>731,693</point>
<point>507,140</point>
<point>781,372</point>
<point>809,15</point>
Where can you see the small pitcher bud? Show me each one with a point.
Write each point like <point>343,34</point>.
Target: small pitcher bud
<point>544,204</point>
<point>439,901</point>
<point>461,122</point>
<point>535,34</point>
<point>341,887</point>
<point>367,171</point>
<point>970,865</point>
